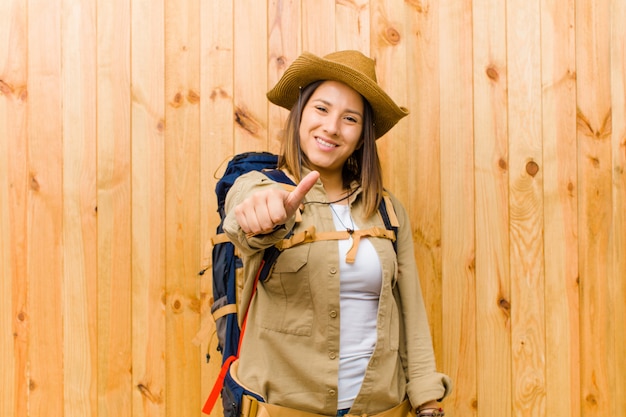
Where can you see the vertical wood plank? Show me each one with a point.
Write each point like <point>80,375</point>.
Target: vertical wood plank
<point>216,146</point>
<point>114,205</point>
<point>353,25</point>
<point>595,200</point>
<point>558,61</point>
<point>284,34</point>
<point>318,26</point>
<point>617,266</point>
<point>422,144</point>
<point>250,86</point>
<point>526,208</point>
<point>44,229</point>
<point>79,293</point>
<point>458,203</point>
<point>182,204</point>
<point>491,158</point>
<point>149,330</point>
<point>14,321</point>
<point>388,49</point>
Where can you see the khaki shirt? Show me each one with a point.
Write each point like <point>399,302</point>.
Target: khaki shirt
<point>290,351</point>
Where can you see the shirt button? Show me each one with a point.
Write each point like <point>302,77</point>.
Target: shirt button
<point>333,314</point>
<point>333,270</point>
<point>332,355</point>
<point>332,392</point>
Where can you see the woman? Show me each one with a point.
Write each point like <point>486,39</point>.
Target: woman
<point>340,325</point>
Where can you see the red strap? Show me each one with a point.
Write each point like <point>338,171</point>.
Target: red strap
<point>217,387</point>
<point>219,383</point>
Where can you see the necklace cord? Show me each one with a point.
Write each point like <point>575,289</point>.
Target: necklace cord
<point>348,229</point>
<point>335,201</point>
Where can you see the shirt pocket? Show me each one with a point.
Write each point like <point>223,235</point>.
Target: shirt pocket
<point>286,295</point>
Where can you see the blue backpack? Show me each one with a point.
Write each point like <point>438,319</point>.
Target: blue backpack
<point>225,266</point>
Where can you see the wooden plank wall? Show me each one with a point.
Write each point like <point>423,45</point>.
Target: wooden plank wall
<point>116,117</point>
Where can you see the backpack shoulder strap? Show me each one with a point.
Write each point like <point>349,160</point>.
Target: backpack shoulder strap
<point>389,217</point>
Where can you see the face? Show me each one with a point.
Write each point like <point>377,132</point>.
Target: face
<point>331,126</point>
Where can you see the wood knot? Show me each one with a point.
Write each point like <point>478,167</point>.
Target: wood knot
<point>5,88</point>
<point>492,73</point>
<point>392,36</point>
<point>504,305</point>
<point>246,121</point>
<point>177,306</point>
<point>147,394</point>
<point>218,92</point>
<point>420,6</point>
<point>21,316</point>
<point>34,184</point>
<point>23,95</point>
<point>585,127</point>
<point>591,399</point>
<point>177,101</point>
<point>532,168</point>
<point>503,164</point>
<point>195,305</point>
<point>193,97</point>
<point>160,127</point>
<point>281,62</point>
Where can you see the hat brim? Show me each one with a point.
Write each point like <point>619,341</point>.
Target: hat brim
<point>308,68</point>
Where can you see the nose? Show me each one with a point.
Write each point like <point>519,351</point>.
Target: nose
<point>331,125</point>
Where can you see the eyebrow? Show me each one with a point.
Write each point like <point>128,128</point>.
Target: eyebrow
<point>328,103</point>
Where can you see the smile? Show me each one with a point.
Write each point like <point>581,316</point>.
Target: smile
<point>324,143</point>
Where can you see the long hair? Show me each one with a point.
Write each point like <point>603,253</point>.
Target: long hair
<point>363,166</point>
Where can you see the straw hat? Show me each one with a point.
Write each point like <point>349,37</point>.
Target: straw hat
<point>349,67</point>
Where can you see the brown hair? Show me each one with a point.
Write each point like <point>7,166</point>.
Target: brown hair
<point>363,166</point>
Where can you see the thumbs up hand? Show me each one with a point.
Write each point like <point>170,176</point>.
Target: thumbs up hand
<point>261,212</point>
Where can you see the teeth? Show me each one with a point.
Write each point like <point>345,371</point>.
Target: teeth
<point>323,142</point>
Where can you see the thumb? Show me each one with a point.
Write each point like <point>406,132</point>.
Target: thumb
<point>294,198</point>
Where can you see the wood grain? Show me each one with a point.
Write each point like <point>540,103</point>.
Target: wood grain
<point>182,178</point>
<point>284,46</point>
<point>595,200</point>
<point>491,159</point>
<point>458,203</point>
<point>216,147</point>
<point>422,144</point>
<point>353,23</point>
<point>250,76</point>
<point>617,243</point>
<point>526,209</point>
<point>147,152</point>
<point>318,26</point>
<point>558,62</point>
<point>389,51</point>
<point>80,241</point>
<point>14,321</point>
<point>114,209</point>
<point>44,207</point>
<point>117,118</point>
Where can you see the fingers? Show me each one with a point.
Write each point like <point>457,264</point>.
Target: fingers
<point>294,199</point>
<point>264,210</point>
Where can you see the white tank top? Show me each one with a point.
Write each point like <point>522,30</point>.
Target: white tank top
<point>360,290</point>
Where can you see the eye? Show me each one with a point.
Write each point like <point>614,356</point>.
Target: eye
<point>321,108</point>
<point>352,119</point>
